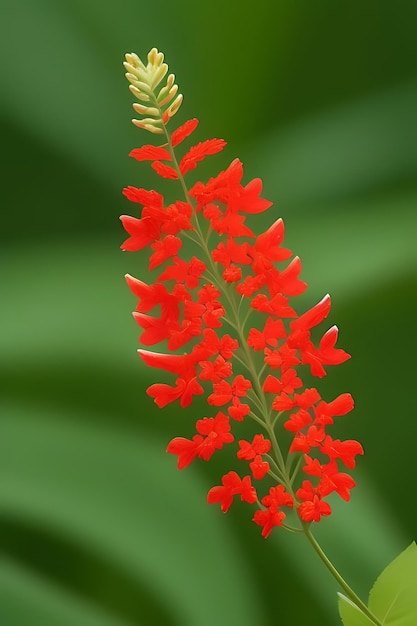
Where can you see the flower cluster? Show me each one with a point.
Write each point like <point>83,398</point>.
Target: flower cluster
<point>229,277</point>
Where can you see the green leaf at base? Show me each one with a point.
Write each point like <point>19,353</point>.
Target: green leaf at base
<point>393,598</point>
<point>350,614</point>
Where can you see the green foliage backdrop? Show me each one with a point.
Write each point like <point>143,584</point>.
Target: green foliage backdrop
<point>96,525</point>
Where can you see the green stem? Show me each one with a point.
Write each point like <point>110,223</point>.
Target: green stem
<point>334,572</point>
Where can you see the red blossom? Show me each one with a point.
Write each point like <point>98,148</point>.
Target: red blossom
<point>288,382</point>
<point>278,497</point>
<point>248,451</point>
<point>238,411</point>
<point>307,398</point>
<point>231,252</point>
<point>325,411</point>
<point>343,450</point>
<point>185,449</point>
<point>284,357</point>
<point>149,296</point>
<point>232,274</point>
<point>278,305</point>
<point>297,421</point>
<point>142,232</point>
<point>267,248</point>
<point>259,467</point>
<point>313,507</point>
<point>186,384</point>
<point>224,392</point>
<point>272,331</point>
<point>177,217</point>
<point>326,354</point>
<point>312,510</point>
<point>163,250</point>
<point>232,485</point>
<point>225,345</point>
<point>183,272</point>
<point>303,442</point>
<point>215,370</point>
<point>334,481</point>
<point>268,518</point>
<point>214,432</point>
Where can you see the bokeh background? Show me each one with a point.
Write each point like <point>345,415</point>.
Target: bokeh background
<point>97,527</point>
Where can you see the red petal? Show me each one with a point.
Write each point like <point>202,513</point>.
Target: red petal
<point>183,131</point>
<point>185,449</point>
<point>164,170</point>
<point>141,232</point>
<point>314,316</point>
<point>143,196</point>
<point>199,152</point>
<point>150,153</point>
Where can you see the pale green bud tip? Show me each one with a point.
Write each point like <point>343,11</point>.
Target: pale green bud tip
<point>143,110</point>
<point>148,125</point>
<point>144,79</point>
<point>173,108</point>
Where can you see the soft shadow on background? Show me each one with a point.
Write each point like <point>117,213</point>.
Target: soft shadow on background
<point>96,524</point>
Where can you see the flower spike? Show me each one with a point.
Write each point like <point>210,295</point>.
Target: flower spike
<point>231,277</point>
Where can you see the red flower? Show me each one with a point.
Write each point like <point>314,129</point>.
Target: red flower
<point>268,518</point>
<point>259,445</point>
<point>259,467</point>
<point>326,354</point>
<point>225,392</point>
<point>272,331</point>
<point>215,370</point>
<point>343,450</point>
<point>312,510</point>
<point>216,431</point>
<point>278,497</point>
<point>232,485</point>
<point>288,383</point>
<point>183,272</point>
<point>142,232</point>
<point>313,507</point>
<point>186,385</point>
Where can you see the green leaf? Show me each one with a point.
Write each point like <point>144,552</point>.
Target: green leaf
<point>393,598</point>
<point>350,614</point>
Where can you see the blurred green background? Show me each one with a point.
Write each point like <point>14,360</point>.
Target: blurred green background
<point>97,527</point>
